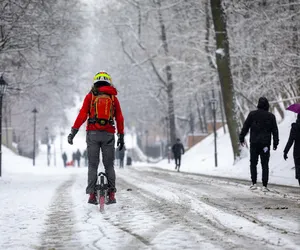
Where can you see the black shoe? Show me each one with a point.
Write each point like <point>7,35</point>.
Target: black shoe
<point>176,167</point>
<point>111,202</point>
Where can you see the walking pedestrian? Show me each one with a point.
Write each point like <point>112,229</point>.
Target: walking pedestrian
<point>102,108</point>
<point>78,157</point>
<point>85,158</point>
<point>65,159</point>
<point>294,138</point>
<point>263,126</point>
<point>177,150</point>
<point>117,157</point>
<point>121,157</point>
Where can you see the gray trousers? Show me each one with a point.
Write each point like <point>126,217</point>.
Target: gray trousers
<point>105,141</point>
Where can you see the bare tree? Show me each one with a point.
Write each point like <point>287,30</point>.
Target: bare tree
<point>223,63</point>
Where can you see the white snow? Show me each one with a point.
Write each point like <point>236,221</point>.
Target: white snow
<point>220,51</point>
<point>200,158</point>
<point>31,195</point>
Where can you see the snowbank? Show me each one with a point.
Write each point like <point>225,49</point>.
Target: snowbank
<point>200,158</point>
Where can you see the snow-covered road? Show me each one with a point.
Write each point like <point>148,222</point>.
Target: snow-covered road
<point>156,209</point>
<point>167,210</point>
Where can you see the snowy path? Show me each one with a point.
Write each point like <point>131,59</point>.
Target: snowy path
<point>59,226</point>
<point>167,210</point>
<point>156,209</point>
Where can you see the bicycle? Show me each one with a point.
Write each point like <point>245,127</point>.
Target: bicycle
<point>101,190</point>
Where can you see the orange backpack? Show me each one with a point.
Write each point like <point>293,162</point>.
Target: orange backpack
<point>102,109</point>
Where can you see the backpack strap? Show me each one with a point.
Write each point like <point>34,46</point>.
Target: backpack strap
<point>113,107</point>
<point>92,102</point>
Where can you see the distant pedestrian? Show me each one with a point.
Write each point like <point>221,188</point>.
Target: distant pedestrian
<point>85,156</point>
<point>263,126</point>
<point>121,157</point>
<point>294,138</point>
<point>74,158</point>
<point>78,157</point>
<point>177,150</point>
<point>117,157</point>
<point>65,159</point>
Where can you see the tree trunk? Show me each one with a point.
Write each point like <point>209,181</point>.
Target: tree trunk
<point>204,115</point>
<point>199,115</point>
<point>171,109</point>
<point>295,44</point>
<point>223,63</point>
<point>279,109</point>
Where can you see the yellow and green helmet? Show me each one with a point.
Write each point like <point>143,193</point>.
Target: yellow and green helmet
<point>102,76</point>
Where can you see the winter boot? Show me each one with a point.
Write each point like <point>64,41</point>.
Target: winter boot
<point>111,198</point>
<point>93,199</point>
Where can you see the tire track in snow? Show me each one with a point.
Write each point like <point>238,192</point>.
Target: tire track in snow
<point>103,234</point>
<point>228,206</point>
<point>178,215</point>
<point>192,190</point>
<point>60,233</point>
<point>208,224</point>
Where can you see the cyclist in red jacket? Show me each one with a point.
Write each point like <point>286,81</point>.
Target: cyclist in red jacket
<point>102,108</point>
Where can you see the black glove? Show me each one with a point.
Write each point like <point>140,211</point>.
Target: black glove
<point>275,146</point>
<point>285,156</point>
<point>120,142</point>
<point>72,135</point>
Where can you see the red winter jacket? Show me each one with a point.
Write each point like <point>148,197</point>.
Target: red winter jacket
<point>84,113</point>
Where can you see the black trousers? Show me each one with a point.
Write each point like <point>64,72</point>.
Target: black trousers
<point>177,160</point>
<point>262,151</point>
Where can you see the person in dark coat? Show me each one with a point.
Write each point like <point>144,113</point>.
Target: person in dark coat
<point>121,157</point>
<point>73,158</point>
<point>294,138</point>
<point>65,159</point>
<point>85,156</point>
<point>78,157</point>
<point>177,150</point>
<point>117,157</point>
<point>263,126</point>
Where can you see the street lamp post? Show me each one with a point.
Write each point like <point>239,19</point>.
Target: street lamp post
<point>3,86</point>
<point>34,111</point>
<point>213,103</point>
<point>147,133</point>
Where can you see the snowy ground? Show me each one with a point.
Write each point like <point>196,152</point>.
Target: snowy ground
<point>157,208</point>
<point>45,208</point>
<point>200,159</point>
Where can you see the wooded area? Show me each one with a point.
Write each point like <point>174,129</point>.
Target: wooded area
<point>168,59</point>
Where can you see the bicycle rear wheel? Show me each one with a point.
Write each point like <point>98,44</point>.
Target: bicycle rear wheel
<point>102,194</point>
<point>101,203</point>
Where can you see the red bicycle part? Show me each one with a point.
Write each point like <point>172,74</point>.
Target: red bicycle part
<point>101,203</point>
